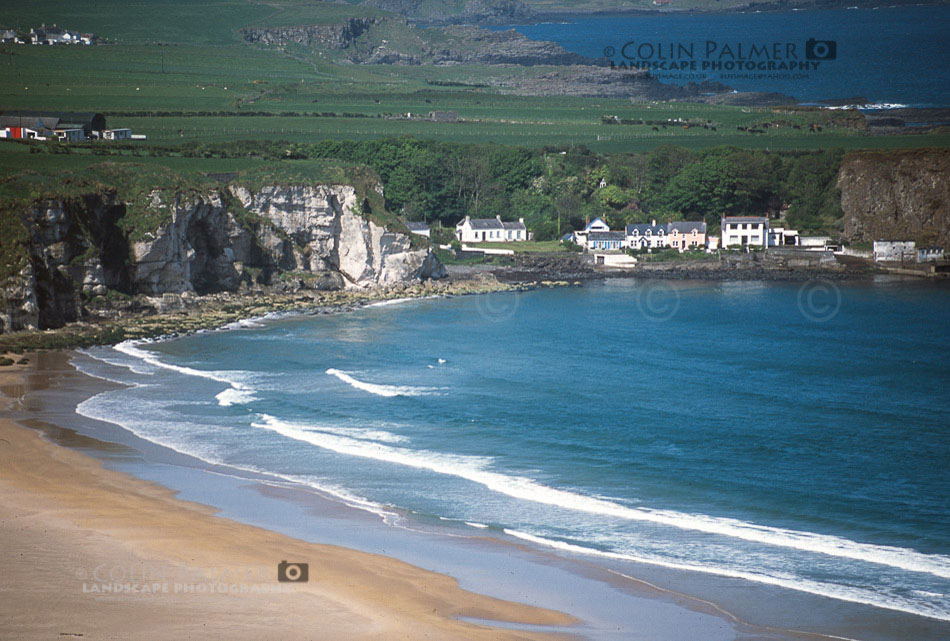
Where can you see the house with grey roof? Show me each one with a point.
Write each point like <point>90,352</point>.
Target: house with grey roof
<point>492,230</point>
<point>420,229</point>
<point>680,235</point>
<point>606,240</point>
<point>645,235</point>
<point>745,232</point>
<point>686,235</point>
<point>579,237</point>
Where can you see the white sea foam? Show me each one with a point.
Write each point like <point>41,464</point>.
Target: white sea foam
<point>480,526</point>
<point>233,396</point>
<point>134,364</point>
<point>391,301</point>
<point>399,301</point>
<point>246,323</point>
<point>91,409</point>
<point>475,469</point>
<point>870,106</point>
<point>835,591</point>
<point>240,392</point>
<point>380,390</point>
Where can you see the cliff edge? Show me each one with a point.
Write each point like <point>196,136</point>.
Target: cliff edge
<point>64,253</point>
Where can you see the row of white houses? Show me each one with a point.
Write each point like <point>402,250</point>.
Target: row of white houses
<point>48,36</point>
<point>735,232</point>
<point>682,236</point>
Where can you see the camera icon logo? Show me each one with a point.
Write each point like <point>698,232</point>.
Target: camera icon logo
<point>821,49</point>
<point>293,572</point>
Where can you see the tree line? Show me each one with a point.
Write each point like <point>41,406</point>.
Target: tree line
<point>559,189</point>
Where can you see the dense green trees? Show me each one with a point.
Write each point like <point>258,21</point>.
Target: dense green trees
<point>557,189</point>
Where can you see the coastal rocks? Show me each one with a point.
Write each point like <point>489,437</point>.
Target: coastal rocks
<point>330,232</point>
<point>306,216</point>
<point>194,251</point>
<point>473,45</point>
<point>64,259</point>
<point>394,41</point>
<point>897,195</point>
<point>431,268</point>
<point>332,36</point>
<point>180,243</point>
<point>18,306</point>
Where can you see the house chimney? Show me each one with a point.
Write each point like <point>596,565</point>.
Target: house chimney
<point>653,222</point>
<point>521,220</point>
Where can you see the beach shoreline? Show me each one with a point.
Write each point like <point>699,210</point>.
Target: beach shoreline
<point>46,370</point>
<point>76,532</point>
<point>80,532</point>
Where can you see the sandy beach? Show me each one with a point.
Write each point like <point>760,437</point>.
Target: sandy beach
<point>71,529</point>
<point>94,551</point>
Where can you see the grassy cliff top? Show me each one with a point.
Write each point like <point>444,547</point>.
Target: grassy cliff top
<point>132,180</point>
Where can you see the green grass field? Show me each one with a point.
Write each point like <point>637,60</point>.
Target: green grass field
<point>527,247</point>
<point>207,68</point>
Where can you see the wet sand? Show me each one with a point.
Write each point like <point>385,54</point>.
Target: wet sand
<point>93,553</point>
<point>76,526</point>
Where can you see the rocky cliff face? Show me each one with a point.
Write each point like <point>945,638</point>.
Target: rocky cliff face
<point>394,41</point>
<point>215,241</point>
<point>331,36</point>
<point>897,195</point>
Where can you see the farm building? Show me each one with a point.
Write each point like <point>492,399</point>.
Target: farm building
<point>51,125</point>
<point>117,134</point>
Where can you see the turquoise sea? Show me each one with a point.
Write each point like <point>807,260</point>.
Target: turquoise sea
<point>888,55</point>
<point>788,434</point>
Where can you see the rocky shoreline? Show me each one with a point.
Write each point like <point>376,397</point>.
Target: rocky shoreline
<point>144,317</point>
<point>525,269</point>
<point>175,315</point>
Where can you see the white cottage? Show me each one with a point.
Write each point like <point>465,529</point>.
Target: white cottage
<point>420,229</point>
<point>745,231</point>
<point>597,225</point>
<point>490,230</point>
<point>605,240</point>
<point>646,236</point>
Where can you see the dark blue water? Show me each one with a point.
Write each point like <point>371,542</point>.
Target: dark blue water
<point>889,55</point>
<point>789,435</point>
